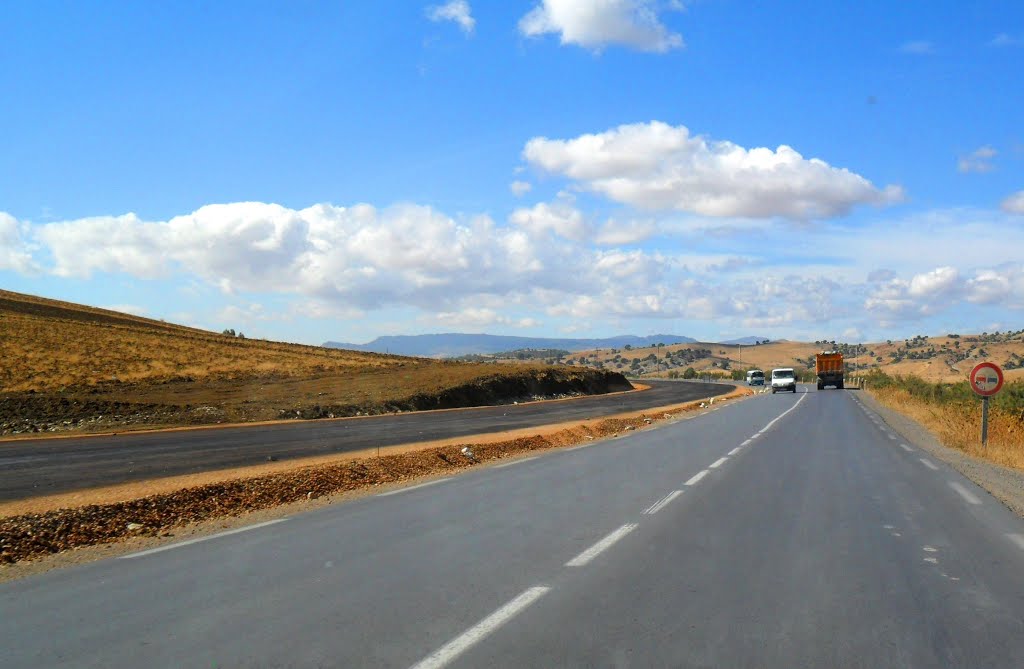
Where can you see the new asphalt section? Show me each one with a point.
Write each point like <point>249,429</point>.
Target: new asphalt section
<point>46,467</point>
<point>779,531</point>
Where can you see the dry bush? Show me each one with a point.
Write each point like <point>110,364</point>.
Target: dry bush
<point>958,425</point>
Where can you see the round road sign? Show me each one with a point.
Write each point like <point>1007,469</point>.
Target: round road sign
<point>986,379</point>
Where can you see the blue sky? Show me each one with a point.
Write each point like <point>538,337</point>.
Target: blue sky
<point>341,170</point>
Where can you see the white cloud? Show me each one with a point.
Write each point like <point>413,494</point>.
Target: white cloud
<point>661,167</point>
<point>133,309</point>
<point>1004,40</point>
<point>1014,204</point>
<point>918,48</point>
<point>979,160</point>
<point>15,252</point>
<point>520,188</point>
<point>457,11</point>
<point>476,318</point>
<point>595,24</point>
<point>617,233</point>
<point>559,217</point>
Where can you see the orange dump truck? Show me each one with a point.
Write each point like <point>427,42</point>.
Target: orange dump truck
<point>829,368</point>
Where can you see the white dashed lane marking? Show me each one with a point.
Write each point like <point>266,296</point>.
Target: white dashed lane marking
<point>718,463</point>
<point>475,634</point>
<point>662,503</point>
<point>1017,539</point>
<point>601,546</point>
<point>180,544</point>
<point>968,496</point>
<point>735,450</point>
<point>906,448</point>
<point>695,479</point>
<point>929,464</point>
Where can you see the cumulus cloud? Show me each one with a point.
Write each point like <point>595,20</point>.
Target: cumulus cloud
<point>661,167</point>
<point>520,188</point>
<point>1014,204</point>
<point>15,252</point>
<point>560,218</point>
<point>979,160</point>
<point>457,11</point>
<point>595,24</point>
<point>918,48</point>
<point>476,318</point>
<point>923,294</point>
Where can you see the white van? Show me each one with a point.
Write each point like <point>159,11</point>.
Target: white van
<point>755,377</point>
<point>783,379</point>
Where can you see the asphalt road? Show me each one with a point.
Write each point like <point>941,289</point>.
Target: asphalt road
<point>45,467</point>
<point>780,531</point>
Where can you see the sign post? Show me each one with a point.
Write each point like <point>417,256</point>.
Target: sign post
<point>986,380</point>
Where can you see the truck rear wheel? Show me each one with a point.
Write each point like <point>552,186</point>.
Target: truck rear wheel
<point>839,386</point>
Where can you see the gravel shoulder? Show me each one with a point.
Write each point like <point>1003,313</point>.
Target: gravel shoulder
<point>1005,484</point>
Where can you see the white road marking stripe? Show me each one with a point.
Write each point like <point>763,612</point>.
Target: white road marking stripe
<point>906,448</point>
<point>662,503</point>
<point>477,633</point>
<point>1017,539</point>
<point>735,450</point>
<point>929,464</point>
<point>746,442</point>
<point>697,477</point>
<point>718,463</point>
<point>779,417</point>
<point>515,462</point>
<point>892,436</point>
<point>601,546</point>
<point>968,496</point>
<point>197,540</point>
<point>414,487</point>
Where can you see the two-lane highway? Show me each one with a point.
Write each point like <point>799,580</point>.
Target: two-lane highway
<point>34,468</point>
<point>779,531</point>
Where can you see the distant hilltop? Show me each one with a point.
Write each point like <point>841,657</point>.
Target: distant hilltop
<point>454,344</point>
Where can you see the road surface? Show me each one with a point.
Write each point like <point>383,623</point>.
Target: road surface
<point>780,531</point>
<point>45,467</point>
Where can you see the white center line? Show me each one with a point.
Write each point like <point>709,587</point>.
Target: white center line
<point>1017,539</point>
<point>414,487</point>
<point>515,462</point>
<point>779,417</point>
<point>746,442</point>
<point>199,539</point>
<point>697,477</point>
<point>906,448</point>
<point>735,450</point>
<point>717,463</point>
<point>662,503</point>
<point>477,633</point>
<point>929,464</point>
<point>601,546</point>
<point>968,496</point>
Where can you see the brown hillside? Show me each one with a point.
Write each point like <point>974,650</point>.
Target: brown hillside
<point>71,367</point>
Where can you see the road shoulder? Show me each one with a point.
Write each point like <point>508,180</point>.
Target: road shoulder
<point>1005,484</point>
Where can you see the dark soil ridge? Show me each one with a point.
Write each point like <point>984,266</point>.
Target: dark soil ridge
<point>34,412</point>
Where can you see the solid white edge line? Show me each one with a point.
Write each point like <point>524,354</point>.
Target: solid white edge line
<point>601,546</point>
<point>477,633</point>
<point>515,462</point>
<point>197,540</point>
<point>891,436</point>
<point>1017,539</point>
<point>695,479</point>
<point>662,503</point>
<point>968,496</point>
<point>734,451</point>
<point>718,463</point>
<point>414,487</point>
<point>929,464</point>
<point>906,448</point>
<point>746,442</point>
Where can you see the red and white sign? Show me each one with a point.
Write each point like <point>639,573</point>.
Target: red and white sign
<point>986,379</point>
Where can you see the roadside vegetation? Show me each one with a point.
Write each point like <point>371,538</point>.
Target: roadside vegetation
<point>953,412</point>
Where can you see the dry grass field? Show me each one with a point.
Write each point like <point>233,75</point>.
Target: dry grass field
<point>70,367</point>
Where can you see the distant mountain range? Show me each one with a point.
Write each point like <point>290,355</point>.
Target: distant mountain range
<point>455,344</point>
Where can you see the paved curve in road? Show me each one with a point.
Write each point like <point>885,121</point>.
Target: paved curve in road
<point>45,467</point>
<point>779,531</point>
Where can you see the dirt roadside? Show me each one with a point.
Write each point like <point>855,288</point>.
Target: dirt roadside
<point>1005,484</point>
<point>37,541</point>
